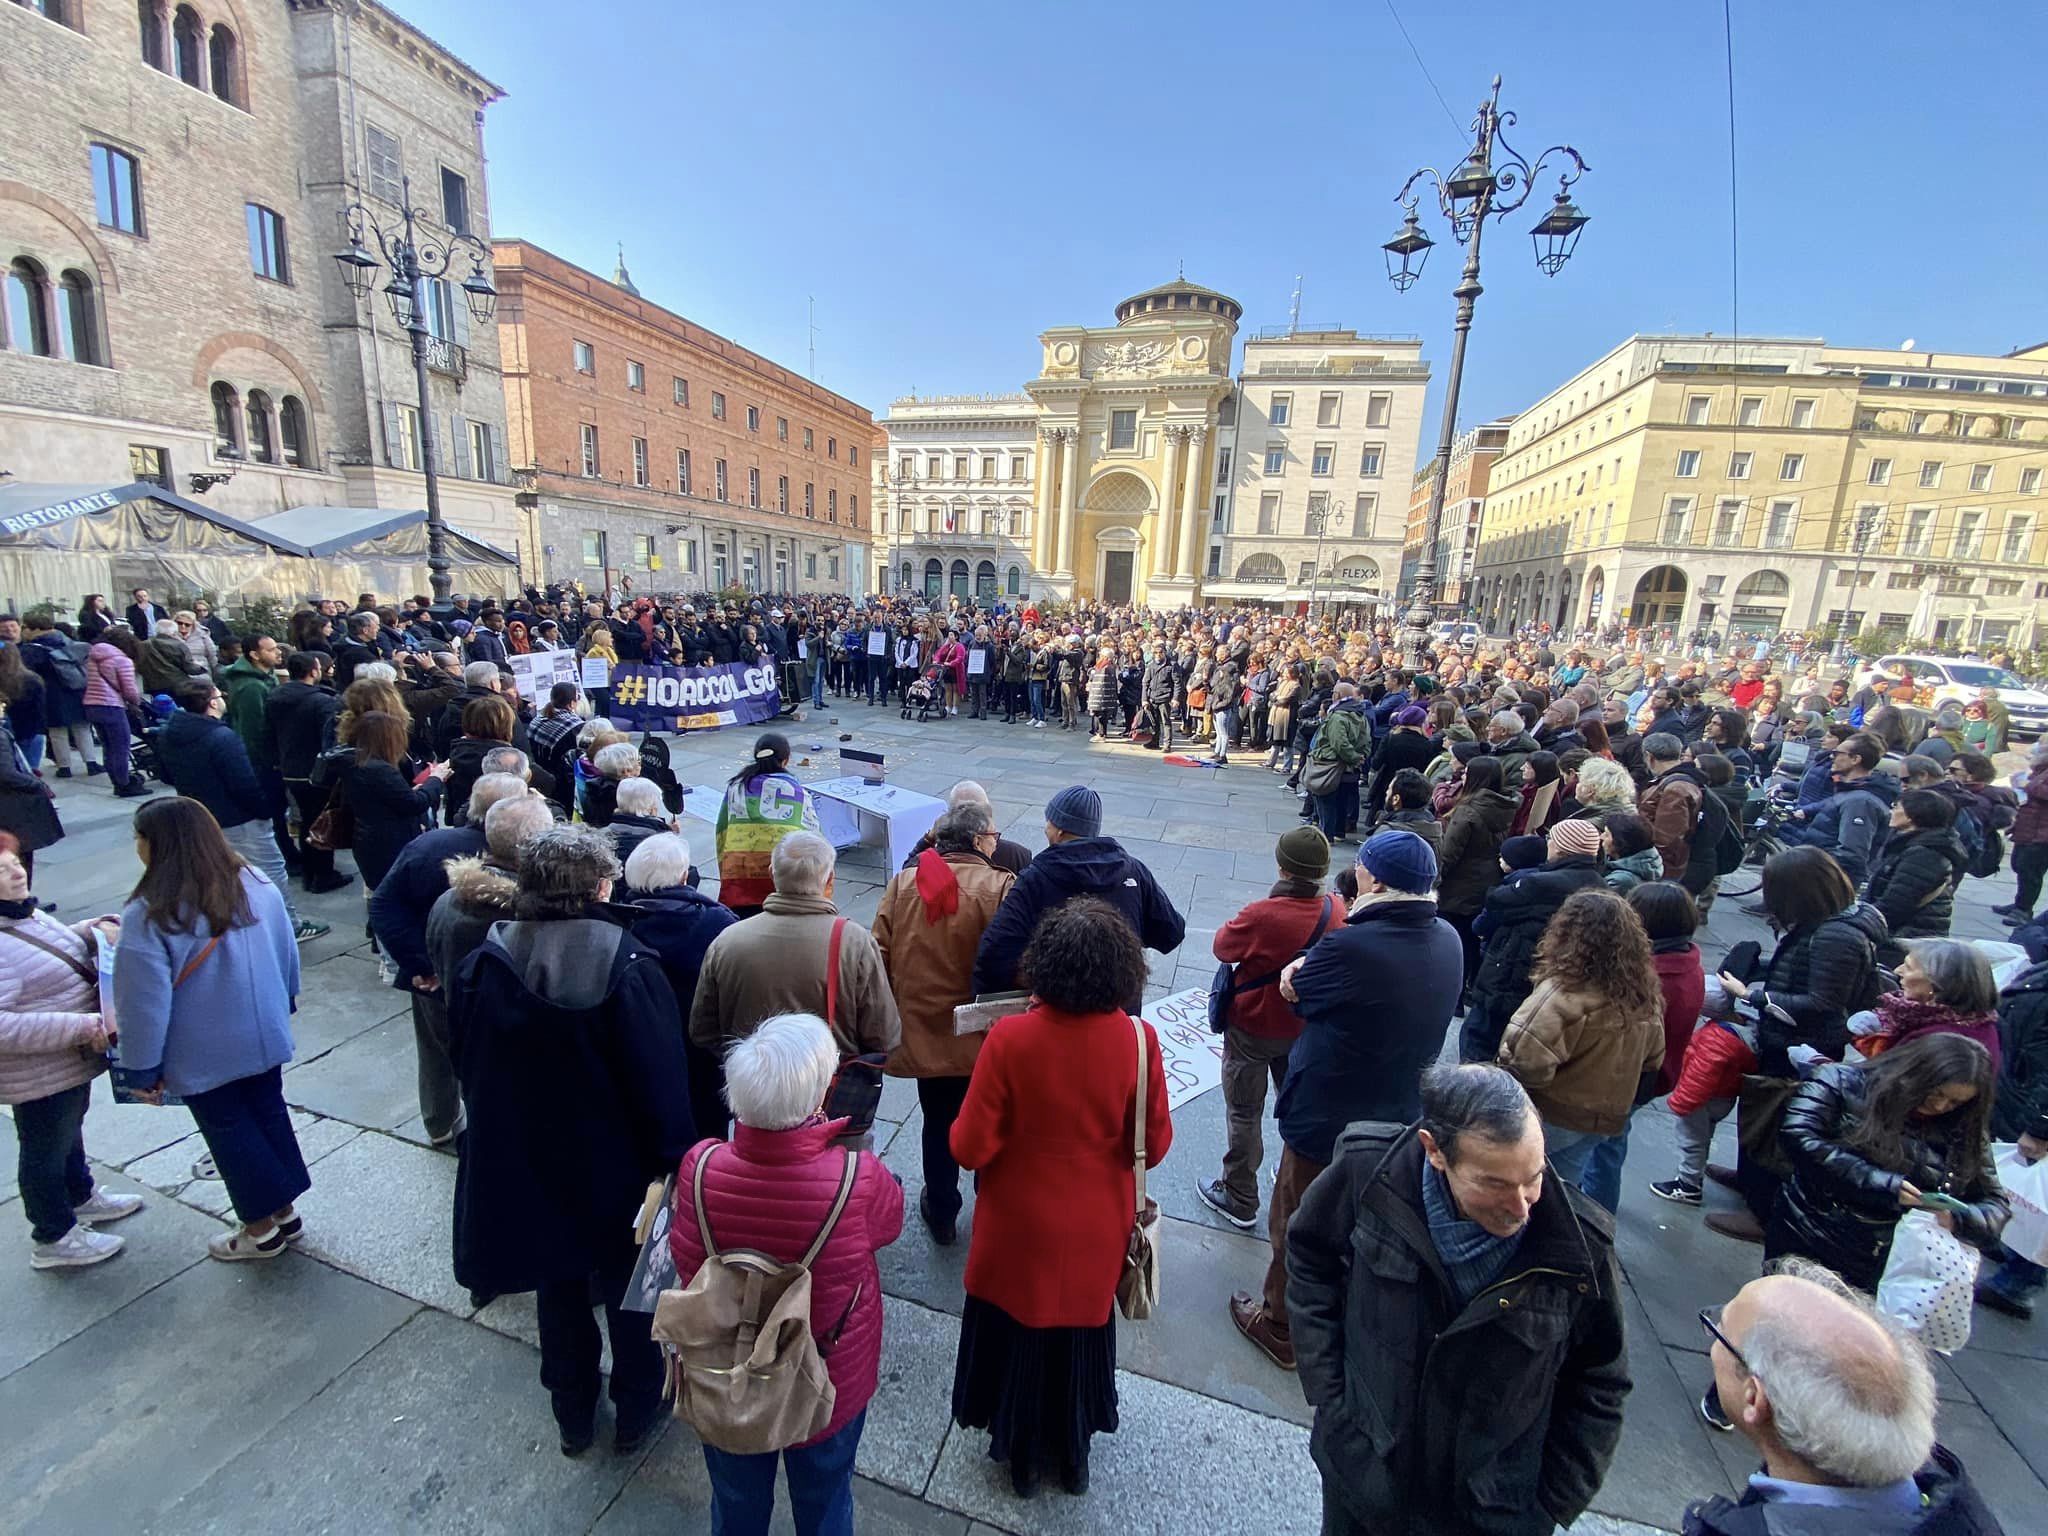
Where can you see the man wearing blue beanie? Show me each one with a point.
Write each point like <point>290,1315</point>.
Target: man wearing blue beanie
<point>1375,998</point>
<point>1078,861</point>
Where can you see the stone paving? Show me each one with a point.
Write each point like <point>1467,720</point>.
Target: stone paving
<point>354,1387</point>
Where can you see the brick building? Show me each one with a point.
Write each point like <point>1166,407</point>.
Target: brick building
<point>169,204</point>
<point>648,445</point>
<point>1457,544</point>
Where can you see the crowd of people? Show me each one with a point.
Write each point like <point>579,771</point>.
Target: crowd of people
<point>1530,840</point>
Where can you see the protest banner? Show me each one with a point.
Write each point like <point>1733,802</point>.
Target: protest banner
<point>657,698</point>
<point>537,672</point>
<point>1190,1053</point>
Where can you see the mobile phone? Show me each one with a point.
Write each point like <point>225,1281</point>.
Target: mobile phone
<point>1936,1201</point>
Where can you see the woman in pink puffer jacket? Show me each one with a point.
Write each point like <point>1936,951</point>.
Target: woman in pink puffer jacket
<point>770,1189</point>
<point>110,688</point>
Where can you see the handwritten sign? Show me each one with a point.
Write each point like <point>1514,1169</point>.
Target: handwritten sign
<point>878,642</point>
<point>1193,1057</point>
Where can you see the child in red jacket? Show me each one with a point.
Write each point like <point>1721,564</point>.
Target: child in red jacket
<point>1720,1056</point>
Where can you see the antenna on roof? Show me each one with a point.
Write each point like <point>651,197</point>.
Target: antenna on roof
<point>1294,310</point>
<point>814,339</point>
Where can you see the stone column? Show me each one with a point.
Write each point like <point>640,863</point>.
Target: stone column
<point>1162,525</point>
<point>1070,453</point>
<point>1190,504</point>
<point>1045,514</point>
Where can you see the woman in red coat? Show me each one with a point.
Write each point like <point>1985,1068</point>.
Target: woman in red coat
<point>770,1189</point>
<point>1049,1123</point>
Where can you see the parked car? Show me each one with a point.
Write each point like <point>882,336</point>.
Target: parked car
<point>1962,681</point>
<point>1460,632</point>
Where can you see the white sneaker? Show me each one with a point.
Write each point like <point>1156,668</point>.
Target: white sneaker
<point>238,1245</point>
<point>75,1249</point>
<point>106,1205</point>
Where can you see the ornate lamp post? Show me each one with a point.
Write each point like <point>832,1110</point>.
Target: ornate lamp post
<point>414,254</point>
<point>1491,182</point>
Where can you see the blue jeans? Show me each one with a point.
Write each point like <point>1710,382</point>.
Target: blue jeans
<point>52,1168</point>
<point>32,751</point>
<point>1571,1151</point>
<point>1600,1179</point>
<point>820,1486</point>
<point>1037,699</point>
<point>818,684</point>
<point>1226,730</point>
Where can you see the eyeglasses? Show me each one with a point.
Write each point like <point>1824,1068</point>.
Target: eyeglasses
<point>1710,1320</point>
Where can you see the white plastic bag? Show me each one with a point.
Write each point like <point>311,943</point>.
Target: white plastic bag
<point>2026,1187</point>
<point>1929,1282</point>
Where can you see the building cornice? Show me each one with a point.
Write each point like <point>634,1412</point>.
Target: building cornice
<point>402,37</point>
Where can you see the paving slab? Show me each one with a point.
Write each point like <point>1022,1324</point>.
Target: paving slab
<point>914,1267</point>
<point>670,1492</point>
<point>1179,1463</point>
<point>370,1079</point>
<point>170,1170</point>
<point>338,1000</point>
<point>119,1134</point>
<point>43,1308</point>
<point>1665,1449</point>
<point>444,1427</point>
<point>383,1209</point>
<point>2015,1394</point>
<point>913,1404</point>
<point>2012,1488</point>
<point>99,1442</point>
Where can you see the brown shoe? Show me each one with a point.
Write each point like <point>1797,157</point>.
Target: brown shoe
<point>1722,1175</point>
<point>1271,1340</point>
<point>1739,1225</point>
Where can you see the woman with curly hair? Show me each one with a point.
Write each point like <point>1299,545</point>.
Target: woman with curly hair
<point>368,696</point>
<point>1602,788</point>
<point>1588,1041</point>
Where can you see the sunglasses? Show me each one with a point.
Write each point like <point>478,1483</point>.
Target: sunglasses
<point>1710,1319</point>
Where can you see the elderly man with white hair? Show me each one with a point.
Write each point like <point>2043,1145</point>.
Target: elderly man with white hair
<point>639,814</point>
<point>1014,857</point>
<point>797,955</point>
<point>1839,1402</point>
<point>614,764</point>
<point>678,922</point>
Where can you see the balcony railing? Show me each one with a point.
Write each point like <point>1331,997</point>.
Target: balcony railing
<point>448,358</point>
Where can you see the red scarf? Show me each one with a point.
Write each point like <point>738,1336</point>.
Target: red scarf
<point>1904,1016</point>
<point>937,886</point>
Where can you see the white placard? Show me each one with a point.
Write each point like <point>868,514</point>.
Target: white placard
<point>977,663</point>
<point>537,672</point>
<point>878,642</point>
<point>1192,1055</point>
<point>597,673</point>
<point>803,650</point>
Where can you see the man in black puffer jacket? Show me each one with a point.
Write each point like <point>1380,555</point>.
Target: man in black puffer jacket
<point>1915,879</point>
<point>1161,678</point>
<point>1511,923</point>
<point>299,711</point>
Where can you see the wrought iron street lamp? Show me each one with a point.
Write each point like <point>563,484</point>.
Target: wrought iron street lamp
<point>414,255</point>
<point>1491,182</point>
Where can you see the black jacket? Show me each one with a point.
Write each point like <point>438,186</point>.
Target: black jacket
<point>1468,863</point>
<point>567,1043</point>
<point>1376,997</point>
<point>348,655</point>
<point>298,714</point>
<point>28,808</point>
<point>1080,866</point>
<point>1819,975</point>
<point>448,724</point>
<point>629,832</point>
<point>1497,1418</point>
<point>1840,1209</point>
<point>404,899</point>
<point>678,925</point>
<point>1914,882</point>
<point>2021,1107</point>
<point>204,760</point>
<point>1160,678</point>
<point>1397,749</point>
<point>479,894</point>
<point>1519,911</point>
<point>1951,1506</point>
<point>388,812</point>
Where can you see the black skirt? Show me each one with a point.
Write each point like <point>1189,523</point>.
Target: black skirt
<point>1039,1392</point>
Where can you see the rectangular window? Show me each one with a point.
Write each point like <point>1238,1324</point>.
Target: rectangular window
<point>852,511</point>
<point>1327,407</point>
<point>811,565</point>
<point>1688,463</point>
<point>639,461</point>
<point>717,406</point>
<point>2019,533</point>
<point>1980,477</point>
<point>586,358</point>
<point>1930,474</point>
<point>1728,522</point>
<point>831,504</point>
<point>636,377</point>
<point>1370,457</point>
<point>1866,529</point>
<point>1305,572</point>
<point>1784,516</point>
<point>116,189</point>
<point>1016,466</point>
<point>385,163</point>
<point>1269,512</point>
<point>1324,453</point>
<point>988,466</point>
<point>483,451</point>
<point>686,556</point>
<point>753,487</point>
<point>832,448</point>
<point>591,464</point>
<point>1280,410</point>
<point>1802,415</point>
<point>267,254</point>
<point>1215,561</point>
<point>1969,533</point>
<point>455,201</point>
<point>643,551</point>
<point>934,467</point>
<point>1918,538</point>
<point>1697,410</point>
<point>1904,581</point>
<point>593,548</point>
<point>1123,429</point>
<point>782,429</point>
<point>1751,412</point>
<point>810,500</point>
<point>1677,519</point>
<point>1792,466</point>
<point>2001,586</point>
<point>1219,516</point>
<point>1917,423</point>
<point>2030,482</point>
<point>151,465</point>
<point>679,390</point>
<point>1738,464</point>
<point>1379,409</point>
<point>718,487</point>
<point>1276,460</point>
<point>1880,472</point>
<point>405,453</point>
<point>1363,512</point>
<point>782,493</point>
<point>808,440</point>
<point>683,471</point>
<point>753,418</point>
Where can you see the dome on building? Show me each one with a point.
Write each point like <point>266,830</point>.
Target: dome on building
<point>1178,297</point>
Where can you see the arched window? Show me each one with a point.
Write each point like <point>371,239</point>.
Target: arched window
<point>28,309</point>
<point>1262,567</point>
<point>985,579</point>
<point>223,57</point>
<point>227,422</point>
<point>156,50</point>
<point>262,441</point>
<point>188,39</point>
<point>291,427</point>
<point>903,578</point>
<point>77,326</point>
<point>934,578</point>
<point>1014,582</point>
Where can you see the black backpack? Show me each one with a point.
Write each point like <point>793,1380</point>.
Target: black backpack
<point>1226,986</point>
<point>1987,857</point>
<point>1716,844</point>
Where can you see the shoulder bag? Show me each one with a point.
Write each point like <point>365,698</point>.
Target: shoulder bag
<point>1225,986</point>
<point>856,1091</point>
<point>335,827</point>
<point>1137,1288</point>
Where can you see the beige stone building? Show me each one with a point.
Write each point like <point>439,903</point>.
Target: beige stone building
<point>952,494</point>
<point>169,205</point>
<point>1776,483</point>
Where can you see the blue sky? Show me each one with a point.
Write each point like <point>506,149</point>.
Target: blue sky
<point>950,179</point>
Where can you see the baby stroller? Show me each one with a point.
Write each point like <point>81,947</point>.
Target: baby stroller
<point>147,720</point>
<point>927,695</point>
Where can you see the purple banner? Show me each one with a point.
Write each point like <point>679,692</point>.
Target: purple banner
<point>651,698</point>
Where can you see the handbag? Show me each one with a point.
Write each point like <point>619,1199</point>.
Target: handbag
<point>1137,1288</point>
<point>1759,1111</point>
<point>335,827</point>
<point>1225,986</point>
<point>1929,1282</point>
<point>856,1090</point>
<point>1323,776</point>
